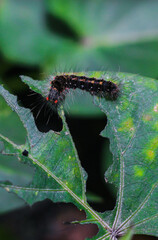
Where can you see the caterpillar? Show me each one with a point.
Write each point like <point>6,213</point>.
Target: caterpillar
<point>62,83</point>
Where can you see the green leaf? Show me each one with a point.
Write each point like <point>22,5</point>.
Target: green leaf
<point>133,132</point>
<point>39,141</point>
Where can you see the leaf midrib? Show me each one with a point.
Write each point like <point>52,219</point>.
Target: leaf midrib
<point>64,186</point>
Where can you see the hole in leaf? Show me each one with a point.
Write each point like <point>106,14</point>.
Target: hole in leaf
<point>25,153</point>
<point>90,146</point>
<point>45,118</point>
<point>143,237</point>
<point>42,114</point>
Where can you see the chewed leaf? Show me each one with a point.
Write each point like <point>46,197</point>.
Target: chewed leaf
<point>133,132</point>
<point>59,157</point>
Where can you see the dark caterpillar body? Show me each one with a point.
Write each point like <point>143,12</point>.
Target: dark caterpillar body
<point>61,84</point>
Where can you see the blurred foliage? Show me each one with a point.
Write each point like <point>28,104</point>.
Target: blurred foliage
<point>42,37</point>
<point>114,35</point>
<point>10,124</point>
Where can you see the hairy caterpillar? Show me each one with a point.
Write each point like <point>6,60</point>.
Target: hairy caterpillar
<point>62,83</point>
